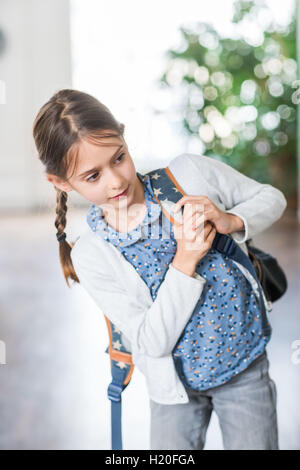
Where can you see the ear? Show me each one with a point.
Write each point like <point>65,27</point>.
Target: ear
<point>58,182</point>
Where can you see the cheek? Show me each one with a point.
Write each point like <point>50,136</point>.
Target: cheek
<point>128,172</point>
<point>131,172</point>
<point>93,192</point>
<point>97,190</point>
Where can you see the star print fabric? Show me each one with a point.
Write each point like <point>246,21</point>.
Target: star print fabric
<point>224,333</point>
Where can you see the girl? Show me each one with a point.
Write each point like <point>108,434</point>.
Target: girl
<point>168,293</point>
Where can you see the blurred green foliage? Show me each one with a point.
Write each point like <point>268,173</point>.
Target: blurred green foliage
<point>239,95</point>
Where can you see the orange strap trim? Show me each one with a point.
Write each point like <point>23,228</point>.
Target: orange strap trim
<point>109,329</point>
<point>120,356</point>
<point>177,185</point>
<point>174,181</point>
<point>127,380</point>
<point>113,353</point>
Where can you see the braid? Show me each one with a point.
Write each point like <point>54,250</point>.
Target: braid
<point>64,247</point>
<point>61,210</point>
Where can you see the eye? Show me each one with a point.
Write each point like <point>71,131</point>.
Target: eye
<point>91,178</point>
<point>122,155</point>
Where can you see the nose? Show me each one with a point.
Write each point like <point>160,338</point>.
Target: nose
<point>115,182</point>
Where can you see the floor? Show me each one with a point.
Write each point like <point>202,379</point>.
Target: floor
<point>53,369</point>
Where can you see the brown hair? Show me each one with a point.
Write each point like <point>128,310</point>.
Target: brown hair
<point>58,128</point>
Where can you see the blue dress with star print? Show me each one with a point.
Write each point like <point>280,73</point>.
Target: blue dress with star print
<point>224,333</point>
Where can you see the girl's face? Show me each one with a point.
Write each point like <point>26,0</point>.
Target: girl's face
<point>103,172</point>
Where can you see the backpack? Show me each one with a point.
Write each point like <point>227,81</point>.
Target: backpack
<point>263,267</point>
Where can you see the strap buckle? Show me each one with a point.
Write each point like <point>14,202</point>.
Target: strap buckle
<point>114,391</point>
<point>225,244</point>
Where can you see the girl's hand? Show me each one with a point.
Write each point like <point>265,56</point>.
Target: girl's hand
<point>192,245</point>
<point>200,209</point>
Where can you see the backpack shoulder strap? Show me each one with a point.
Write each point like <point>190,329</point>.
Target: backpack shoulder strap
<point>167,190</point>
<point>121,371</point>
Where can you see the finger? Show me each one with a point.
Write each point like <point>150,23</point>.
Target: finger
<point>201,223</point>
<point>191,210</point>
<point>191,199</point>
<point>212,234</point>
<point>192,215</point>
<point>198,220</point>
<point>201,232</point>
<point>179,203</point>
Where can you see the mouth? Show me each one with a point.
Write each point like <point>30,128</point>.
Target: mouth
<point>123,194</point>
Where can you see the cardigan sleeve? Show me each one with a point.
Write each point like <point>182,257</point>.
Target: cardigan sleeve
<point>153,331</point>
<point>258,205</point>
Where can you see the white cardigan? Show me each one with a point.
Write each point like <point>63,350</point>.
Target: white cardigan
<point>150,329</point>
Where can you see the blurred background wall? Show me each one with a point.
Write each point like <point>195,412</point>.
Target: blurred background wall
<point>35,59</point>
<point>217,78</point>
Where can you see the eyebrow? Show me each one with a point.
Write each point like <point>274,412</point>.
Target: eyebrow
<point>97,168</point>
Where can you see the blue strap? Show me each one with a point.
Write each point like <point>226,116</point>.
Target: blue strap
<point>116,425</point>
<point>114,393</point>
<point>227,246</point>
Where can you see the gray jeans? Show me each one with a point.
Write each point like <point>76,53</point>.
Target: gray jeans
<point>245,406</point>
